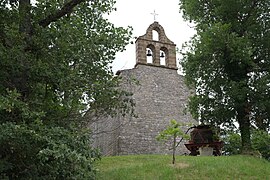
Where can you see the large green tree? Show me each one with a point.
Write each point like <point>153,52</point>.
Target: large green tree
<point>228,63</point>
<point>54,66</point>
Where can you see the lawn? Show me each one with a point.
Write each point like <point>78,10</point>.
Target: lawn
<point>154,167</point>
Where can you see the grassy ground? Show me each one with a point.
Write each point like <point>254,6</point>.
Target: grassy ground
<point>154,167</point>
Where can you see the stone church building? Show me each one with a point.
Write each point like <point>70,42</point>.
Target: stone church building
<point>160,96</point>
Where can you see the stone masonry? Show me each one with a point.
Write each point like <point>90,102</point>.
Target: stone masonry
<point>160,96</point>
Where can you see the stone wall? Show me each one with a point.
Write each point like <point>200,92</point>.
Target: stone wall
<point>106,132</point>
<point>160,96</point>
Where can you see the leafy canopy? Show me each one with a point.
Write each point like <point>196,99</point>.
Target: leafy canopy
<point>228,62</point>
<point>55,57</point>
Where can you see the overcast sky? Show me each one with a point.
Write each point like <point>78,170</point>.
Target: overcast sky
<point>137,13</point>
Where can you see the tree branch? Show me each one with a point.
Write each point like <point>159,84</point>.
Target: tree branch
<point>66,9</point>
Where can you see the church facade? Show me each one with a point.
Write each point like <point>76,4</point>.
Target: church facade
<point>160,96</point>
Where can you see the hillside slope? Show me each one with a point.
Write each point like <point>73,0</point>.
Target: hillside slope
<point>153,167</point>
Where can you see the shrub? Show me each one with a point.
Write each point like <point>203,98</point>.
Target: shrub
<point>37,150</point>
<point>260,142</point>
<point>232,143</point>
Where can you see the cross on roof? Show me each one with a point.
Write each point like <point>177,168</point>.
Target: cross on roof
<point>154,14</point>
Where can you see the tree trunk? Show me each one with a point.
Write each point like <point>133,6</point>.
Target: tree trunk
<point>174,148</point>
<point>25,18</point>
<point>21,82</point>
<point>244,126</point>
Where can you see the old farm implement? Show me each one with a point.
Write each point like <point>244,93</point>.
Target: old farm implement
<point>203,138</point>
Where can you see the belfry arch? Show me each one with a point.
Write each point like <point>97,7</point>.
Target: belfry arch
<point>164,55</point>
<point>150,53</point>
<point>159,48</point>
<point>155,35</point>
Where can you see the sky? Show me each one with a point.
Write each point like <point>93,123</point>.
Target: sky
<point>137,13</point>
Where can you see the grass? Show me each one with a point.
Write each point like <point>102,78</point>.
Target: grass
<point>154,167</point>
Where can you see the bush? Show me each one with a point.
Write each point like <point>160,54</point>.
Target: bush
<point>260,142</point>
<point>232,143</point>
<point>37,150</point>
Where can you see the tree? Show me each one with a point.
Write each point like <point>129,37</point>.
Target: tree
<point>228,63</point>
<point>173,130</point>
<point>55,57</point>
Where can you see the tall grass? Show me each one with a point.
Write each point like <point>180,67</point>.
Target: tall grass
<point>154,167</point>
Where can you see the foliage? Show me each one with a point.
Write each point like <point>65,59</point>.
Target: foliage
<point>173,130</point>
<point>260,143</point>
<point>54,67</point>
<point>232,143</point>
<point>228,63</point>
<point>36,150</point>
<point>189,167</point>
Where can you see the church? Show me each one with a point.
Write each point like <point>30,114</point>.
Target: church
<point>160,96</point>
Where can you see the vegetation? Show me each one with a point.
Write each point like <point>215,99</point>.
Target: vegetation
<point>173,131</point>
<point>186,167</point>
<point>260,143</point>
<point>228,63</point>
<point>54,67</point>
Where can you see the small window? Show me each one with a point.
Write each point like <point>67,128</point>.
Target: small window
<point>155,35</point>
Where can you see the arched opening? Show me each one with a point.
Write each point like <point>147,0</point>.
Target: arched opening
<point>155,35</point>
<point>149,55</point>
<point>162,58</point>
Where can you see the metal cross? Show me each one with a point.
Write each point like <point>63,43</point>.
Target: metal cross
<point>154,14</point>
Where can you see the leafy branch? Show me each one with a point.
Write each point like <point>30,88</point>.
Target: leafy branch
<point>66,9</point>
<point>173,130</point>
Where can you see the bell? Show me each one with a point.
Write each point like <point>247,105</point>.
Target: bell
<point>148,53</point>
<point>162,55</point>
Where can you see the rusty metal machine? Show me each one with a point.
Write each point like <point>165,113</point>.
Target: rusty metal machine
<point>204,136</point>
